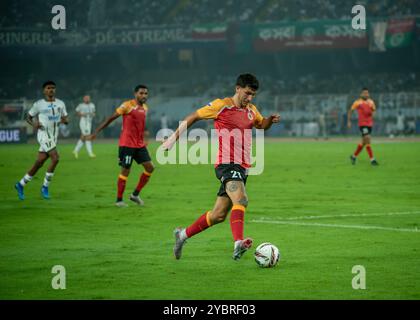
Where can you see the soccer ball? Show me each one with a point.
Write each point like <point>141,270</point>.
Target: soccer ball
<point>267,255</point>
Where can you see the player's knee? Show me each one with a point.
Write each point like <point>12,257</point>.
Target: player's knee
<point>243,201</point>
<point>150,168</point>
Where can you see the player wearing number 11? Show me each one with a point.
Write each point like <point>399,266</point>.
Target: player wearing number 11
<point>233,118</point>
<point>366,109</point>
<point>132,145</point>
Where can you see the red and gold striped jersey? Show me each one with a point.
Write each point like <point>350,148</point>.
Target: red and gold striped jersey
<point>365,109</point>
<point>231,124</point>
<point>134,123</point>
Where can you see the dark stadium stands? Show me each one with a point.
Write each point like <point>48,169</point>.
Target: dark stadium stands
<point>135,13</point>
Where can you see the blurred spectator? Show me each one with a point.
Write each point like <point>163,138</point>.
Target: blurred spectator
<point>400,127</point>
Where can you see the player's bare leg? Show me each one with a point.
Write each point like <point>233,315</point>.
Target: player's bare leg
<point>55,158</point>
<point>42,157</point>
<point>237,194</point>
<point>220,210</point>
<point>144,179</point>
<point>122,180</point>
<point>217,215</point>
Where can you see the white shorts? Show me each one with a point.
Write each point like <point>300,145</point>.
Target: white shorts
<point>46,142</point>
<point>86,128</point>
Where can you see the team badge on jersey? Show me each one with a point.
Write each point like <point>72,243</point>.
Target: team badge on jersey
<point>250,115</point>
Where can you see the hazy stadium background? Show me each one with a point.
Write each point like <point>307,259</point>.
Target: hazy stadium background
<point>308,58</point>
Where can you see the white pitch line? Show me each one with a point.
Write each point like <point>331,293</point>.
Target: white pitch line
<point>345,215</point>
<point>348,226</point>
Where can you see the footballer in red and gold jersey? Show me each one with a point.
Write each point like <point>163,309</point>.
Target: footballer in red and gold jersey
<point>233,126</point>
<point>132,145</point>
<point>365,108</point>
<point>234,117</point>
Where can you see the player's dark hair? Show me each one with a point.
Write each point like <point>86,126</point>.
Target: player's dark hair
<point>248,80</point>
<point>365,88</point>
<point>140,86</point>
<point>48,83</point>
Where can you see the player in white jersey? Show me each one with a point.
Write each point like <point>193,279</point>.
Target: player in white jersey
<point>45,116</point>
<point>86,112</point>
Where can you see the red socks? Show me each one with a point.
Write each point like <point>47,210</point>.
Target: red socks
<point>237,222</point>
<point>144,178</point>
<point>358,150</point>
<point>199,225</point>
<point>369,151</point>
<point>122,180</point>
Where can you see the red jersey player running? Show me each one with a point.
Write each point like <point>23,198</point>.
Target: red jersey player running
<point>131,144</point>
<point>366,109</point>
<point>231,116</point>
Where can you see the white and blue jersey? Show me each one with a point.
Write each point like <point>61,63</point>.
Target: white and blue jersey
<point>49,115</point>
<point>88,109</point>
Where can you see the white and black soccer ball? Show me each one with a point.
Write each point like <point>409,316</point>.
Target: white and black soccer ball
<point>267,255</point>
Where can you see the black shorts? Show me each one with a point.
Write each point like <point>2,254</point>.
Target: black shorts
<point>230,172</point>
<point>365,130</point>
<point>126,156</point>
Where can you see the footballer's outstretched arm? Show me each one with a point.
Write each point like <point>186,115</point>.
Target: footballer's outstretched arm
<point>185,124</point>
<point>268,122</point>
<point>104,124</point>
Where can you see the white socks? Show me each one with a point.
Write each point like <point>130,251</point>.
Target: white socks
<point>25,180</point>
<point>48,178</point>
<point>79,146</point>
<point>183,234</point>
<point>89,147</point>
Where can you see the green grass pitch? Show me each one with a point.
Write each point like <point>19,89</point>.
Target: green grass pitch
<point>325,216</point>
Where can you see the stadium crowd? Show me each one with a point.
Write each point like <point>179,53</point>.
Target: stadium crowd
<point>78,85</point>
<point>136,13</point>
<point>311,84</point>
<point>336,9</point>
